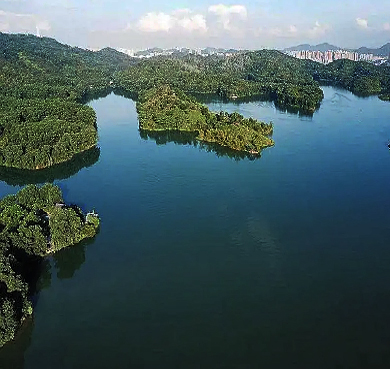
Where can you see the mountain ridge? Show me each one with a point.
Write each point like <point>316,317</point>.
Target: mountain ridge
<point>383,50</point>
<point>307,47</point>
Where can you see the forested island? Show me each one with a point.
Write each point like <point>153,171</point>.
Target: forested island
<point>45,84</point>
<point>43,88</point>
<point>359,77</point>
<point>266,75</point>
<point>45,123</point>
<point>164,109</point>
<point>33,224</point>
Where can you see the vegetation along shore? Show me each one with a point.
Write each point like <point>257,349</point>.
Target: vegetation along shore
<point>33,224</point>
<point>44,85</point>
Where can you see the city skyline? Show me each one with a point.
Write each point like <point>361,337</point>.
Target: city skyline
<point>333,55</point>
<point>243,25</point>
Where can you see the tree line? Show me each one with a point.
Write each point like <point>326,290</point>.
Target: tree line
<point>33,223</point>
<point>43,85</point>
<point>37,74</point>
<point>361,78</point>
<point>166,109</point>
<point>267,75</point>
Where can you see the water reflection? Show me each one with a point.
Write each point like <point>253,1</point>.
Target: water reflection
<point>124,93</point>
<point>12,354</point>
<point>44,278</point>
<point>38,276</point>
<point>89,96</point>
<point>70,259</point>
<point>215,99</point>
<point>185,138</point>
<point>66,263</point>
<point>20,177</point>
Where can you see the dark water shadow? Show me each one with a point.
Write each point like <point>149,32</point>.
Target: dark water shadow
<point>215,99</point>
<point>12,354</point>
<point>340,87</point>
<point>90,95</point>
<point>21,177</point>
<point>124,93</point>
<point>37,272</point>
<point>186,138</point>
<point>39,276</point>
<point>70,259</point>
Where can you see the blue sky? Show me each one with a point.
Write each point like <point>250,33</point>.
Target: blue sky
<point>252,24</point>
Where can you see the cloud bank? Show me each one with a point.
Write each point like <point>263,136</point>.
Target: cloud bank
<point>362,23</point>
<point>227,14</point>
<point>182,19</point>
<point>246,24</point>
<point>20,22</point>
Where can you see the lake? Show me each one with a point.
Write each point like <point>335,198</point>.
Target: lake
<point>205,260</point>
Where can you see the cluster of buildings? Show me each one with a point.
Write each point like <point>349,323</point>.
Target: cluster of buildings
<point>324,57</point>
<point>149,53</point>
<point>332,55</point>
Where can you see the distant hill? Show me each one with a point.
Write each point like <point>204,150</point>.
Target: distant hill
<point>382,51</point>
<point>320,47</point>
<point>48,53</point>
<point>146,52</point>
<point>111,56</point>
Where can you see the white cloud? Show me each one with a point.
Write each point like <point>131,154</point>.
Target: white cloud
<point>19,22</point>
<point>222,10</point>
<point>181,19</point>
<point>154,22</point>
<point>196,22</point>
<point>386,26</point>
<point>227,13</point>
<point>363,23</point>
<point>318,30</point>
<point>293,30</point>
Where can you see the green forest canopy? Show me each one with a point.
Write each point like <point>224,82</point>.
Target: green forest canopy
<point>164,109</point>
<point>43,85</point>
<point>43,121</point>
<point>33,223</point>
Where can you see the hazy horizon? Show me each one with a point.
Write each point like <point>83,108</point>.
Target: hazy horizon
<point>240,25</point>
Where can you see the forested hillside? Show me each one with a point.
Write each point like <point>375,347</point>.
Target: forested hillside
<point>43,85</point>
<point>39,133</point>
<point>32,67</point>
<point>33,223</point>
<point>164,109</point>
<point>265,74</point>
<point>361,78</point>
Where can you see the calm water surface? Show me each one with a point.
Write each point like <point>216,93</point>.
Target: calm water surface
<point>204,261</point>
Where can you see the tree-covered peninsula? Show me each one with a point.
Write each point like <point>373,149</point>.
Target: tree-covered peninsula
<point>165,109</point>
<point>361,78</point>
<point>43,87</point>
<point>38,133</point>
<point>33,223</point>
<point>45,84</point>
<point>264,75</point>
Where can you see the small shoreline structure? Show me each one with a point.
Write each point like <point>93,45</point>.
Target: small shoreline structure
<point>34,223</point>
